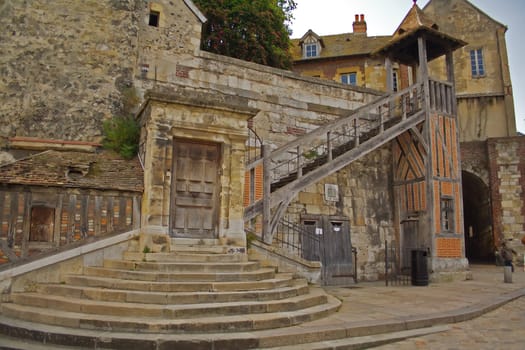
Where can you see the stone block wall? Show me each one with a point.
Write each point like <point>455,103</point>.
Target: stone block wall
<point>65,66</point>
<point>507,178</point>
<point>500,164</point>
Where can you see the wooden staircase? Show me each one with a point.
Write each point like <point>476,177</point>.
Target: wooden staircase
<point>195,291</point>
<point>325,150</point>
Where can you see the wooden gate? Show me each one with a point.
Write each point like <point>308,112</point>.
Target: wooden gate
<point>194,199</point>
<point>336,253</point>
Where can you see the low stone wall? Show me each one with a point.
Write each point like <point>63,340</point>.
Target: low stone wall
<point>51,269</point>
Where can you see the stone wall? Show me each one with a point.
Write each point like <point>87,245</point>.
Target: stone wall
<point>500,164</point>
<point>65,66</point>
<point>507,177</point>
<point>366,199</point>
<point>474,159</point>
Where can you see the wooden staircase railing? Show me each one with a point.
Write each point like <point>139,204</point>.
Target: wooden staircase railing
<point>327,149</point>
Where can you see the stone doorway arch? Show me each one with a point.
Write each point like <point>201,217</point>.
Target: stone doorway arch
<point>479,238</point>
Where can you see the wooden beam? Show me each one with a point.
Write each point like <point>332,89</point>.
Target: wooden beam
<point>267,189</point>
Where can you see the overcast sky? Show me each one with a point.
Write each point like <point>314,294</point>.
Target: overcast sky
<point>383,16</point>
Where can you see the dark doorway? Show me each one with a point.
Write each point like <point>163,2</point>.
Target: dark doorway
<point>479,240</point>
<point>42,224</point>
<point>194,203</point>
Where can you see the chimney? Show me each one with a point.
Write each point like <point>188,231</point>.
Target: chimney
<point>359,25</point>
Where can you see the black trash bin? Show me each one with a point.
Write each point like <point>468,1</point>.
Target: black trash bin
<point>419,268</point>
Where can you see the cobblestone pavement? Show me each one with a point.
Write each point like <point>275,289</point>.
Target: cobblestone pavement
<point>503,328</point>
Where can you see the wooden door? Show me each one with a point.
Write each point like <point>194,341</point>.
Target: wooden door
<point>194,203</point>
<point>332,246</point>
<point>42,224</point>
<point>337,258</point>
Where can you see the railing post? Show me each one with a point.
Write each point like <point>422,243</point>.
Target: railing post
<point>404,106</point>
<point>267,183</point>
<point>381,120</point>
<point>356,130</point>
<point>386,263</point>
<point>329,145</point>
<point>299,162</point>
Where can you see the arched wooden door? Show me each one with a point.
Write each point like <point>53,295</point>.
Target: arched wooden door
<point>195,189</point>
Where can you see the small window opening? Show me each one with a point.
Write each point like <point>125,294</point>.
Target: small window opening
<point>154,17</point>
<point>447,214</point>
<point>77,171</point>
<point>395,82</point>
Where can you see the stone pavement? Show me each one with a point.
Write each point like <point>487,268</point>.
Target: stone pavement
<point>502,328</point>
<point>374,314</point>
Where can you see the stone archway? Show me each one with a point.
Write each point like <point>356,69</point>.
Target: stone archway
<point>479,238</point>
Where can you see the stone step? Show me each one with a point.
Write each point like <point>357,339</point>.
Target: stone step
<point>260,274</point>
<point>279,281</point>
<point>182,266</point>
<point>69,339</point>
<point>184,257</point>
<point>299,287</point>
<point>365,342</point>
<point>201,249</point>
<point>195,242</point>
<point>236,323</point>
<point>165,311</point>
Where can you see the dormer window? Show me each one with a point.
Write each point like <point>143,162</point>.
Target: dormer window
<point>311,50</point>
<point>311,45</point>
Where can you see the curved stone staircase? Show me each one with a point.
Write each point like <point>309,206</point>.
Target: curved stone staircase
<point>194,295</point>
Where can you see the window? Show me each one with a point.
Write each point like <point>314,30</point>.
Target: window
<point>154,17</point>
<point>311,50</point>
<point>476,63</point>
<point>394,80</point>
<point>447,214</point>
<point>349,78</point>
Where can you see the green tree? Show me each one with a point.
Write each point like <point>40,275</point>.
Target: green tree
<point>251,30</point>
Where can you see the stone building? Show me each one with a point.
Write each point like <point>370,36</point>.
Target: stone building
<point>491,150</point>
<point>231,154</point>
<point>198,108</point>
